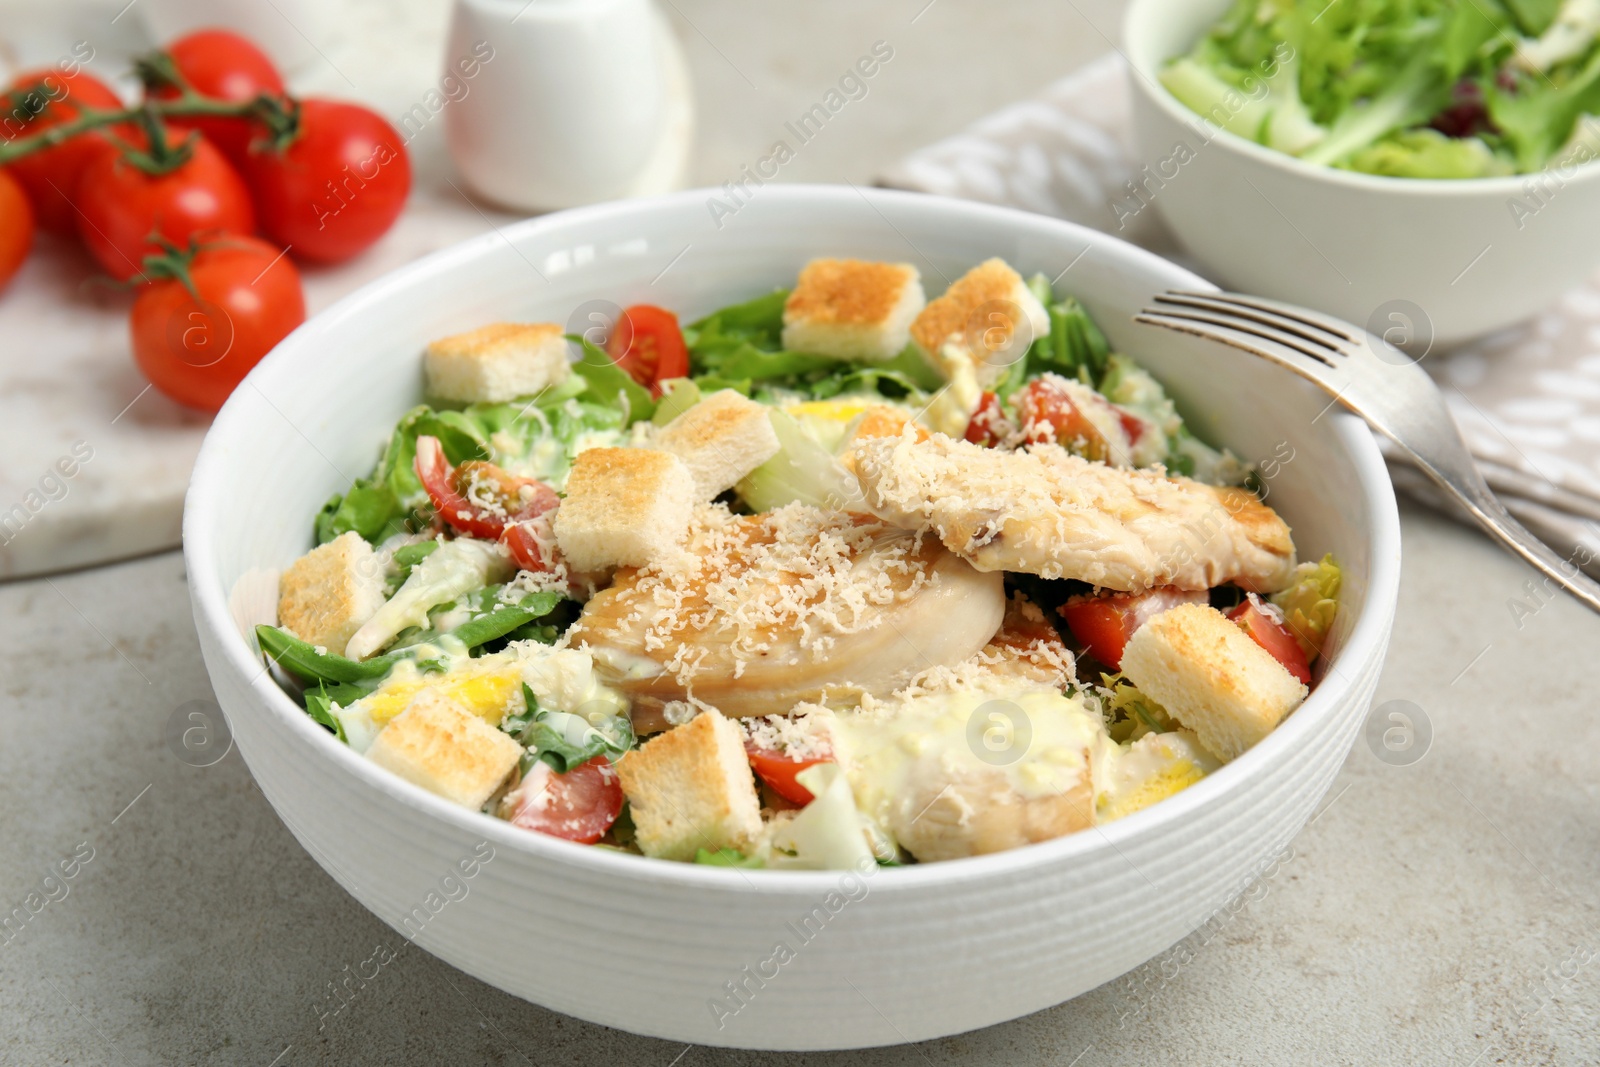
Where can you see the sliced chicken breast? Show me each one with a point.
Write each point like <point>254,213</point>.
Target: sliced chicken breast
<point>1048,512</point>
<point>798,604</point>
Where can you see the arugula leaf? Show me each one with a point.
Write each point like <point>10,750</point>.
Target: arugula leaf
<point>496,619</point>
<point>562,739</point>
<point>305,662</point>
<point>320,701</point>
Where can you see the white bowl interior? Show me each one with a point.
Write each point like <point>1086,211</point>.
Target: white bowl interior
<point>314,415</point>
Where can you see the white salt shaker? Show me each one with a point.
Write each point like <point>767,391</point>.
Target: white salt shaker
<point>571,101</point>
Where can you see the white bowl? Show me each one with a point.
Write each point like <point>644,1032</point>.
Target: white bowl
<point>649,946</point>
<point>1431,260</point>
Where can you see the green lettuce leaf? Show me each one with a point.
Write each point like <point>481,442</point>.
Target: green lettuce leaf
<point>1310,602</point>
<point>564,740</point>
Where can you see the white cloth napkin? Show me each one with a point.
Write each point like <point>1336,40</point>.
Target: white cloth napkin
<point>1527,399</point>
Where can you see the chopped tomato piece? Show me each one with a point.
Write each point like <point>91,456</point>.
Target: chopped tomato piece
<point>1132,425</point>
<point>648,344</point>
<point>479,499</point>
<point>1048,414</point>
<point>778,770</point>
<point>1266,628</point>
<point>989,425</point>
<point>1105,623</point>
<point>522,542</point>
<point>579,805</point>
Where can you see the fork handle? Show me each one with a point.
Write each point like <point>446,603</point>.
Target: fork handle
<point>1473,493</point>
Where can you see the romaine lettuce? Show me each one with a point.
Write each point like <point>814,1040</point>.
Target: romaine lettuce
<point>1310,602</point>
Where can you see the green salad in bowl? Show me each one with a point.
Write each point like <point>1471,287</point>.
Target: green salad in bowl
<point>1403,88</point>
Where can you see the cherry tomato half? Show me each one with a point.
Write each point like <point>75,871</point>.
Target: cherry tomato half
<point>122,205</point>
<point>1267,630</point>
<point>51,177</point>
<point>337,187</point>
<point>778,770</point>
<point>1105,623</point>
<point>222,66</point>
<point>197,351</point>
<point>1048,414</point>
<point>16,227</point>
<point>648,344</point>
<point>480,499</point>
<point>989,425</point>
<point>579,805</point>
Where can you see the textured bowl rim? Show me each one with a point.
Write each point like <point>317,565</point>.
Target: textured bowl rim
<point>1366,641</point>
<point>1140,55</point>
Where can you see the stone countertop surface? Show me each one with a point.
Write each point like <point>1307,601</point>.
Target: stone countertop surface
<point>1443,906</point>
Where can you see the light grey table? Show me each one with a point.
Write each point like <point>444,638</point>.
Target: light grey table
<point>1441,911</point>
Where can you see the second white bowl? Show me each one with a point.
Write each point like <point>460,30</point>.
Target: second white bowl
<point>1421,261</point>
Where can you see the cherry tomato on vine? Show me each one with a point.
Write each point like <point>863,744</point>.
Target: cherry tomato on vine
<point>648,344</point>
<point>50,177</point>
<point>121,203</point>
<point>337,186</point>
<point>16,227</point>
<point>196,350</point>
<point>222,66</point>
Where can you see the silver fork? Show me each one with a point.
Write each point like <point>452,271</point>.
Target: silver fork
<point>1394,395</point>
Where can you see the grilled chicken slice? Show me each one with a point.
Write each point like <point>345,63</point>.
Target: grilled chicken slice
<point>1045,511</point>
<point>798,604</point>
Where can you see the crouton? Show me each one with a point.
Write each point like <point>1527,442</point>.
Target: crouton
<point>444,748</point>
<point>327,594</point>
<point>852,309</point>
<point>988,316</point>
<point>1211,677</point>
<point>721,439</point>
<point>691,788</point>
<point>625,507</point>
<point>497,363</point>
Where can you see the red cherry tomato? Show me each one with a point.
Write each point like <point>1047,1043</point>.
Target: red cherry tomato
<point>16,227</point>
<point>579,806</point>
<point>121,205</point>
<point>197,351</point>
<point>222,66</point>
<point>51,177</point>
<point>778,770</point>
<point>648,344</point>
<point>1103,624</point>
<point>989,425</point>
<point>1048,414</point>
<point>478,498</point>
<point>522,539</point>
<point>1265,629</point>
<point>337,187</point>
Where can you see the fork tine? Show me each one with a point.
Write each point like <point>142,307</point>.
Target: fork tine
<point>1327,324</point>
<point>1319,336</point>
<point>1230,326</point>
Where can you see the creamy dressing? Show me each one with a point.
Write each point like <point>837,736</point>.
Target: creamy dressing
<point>451,571</point>
<point>1039,742</point>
